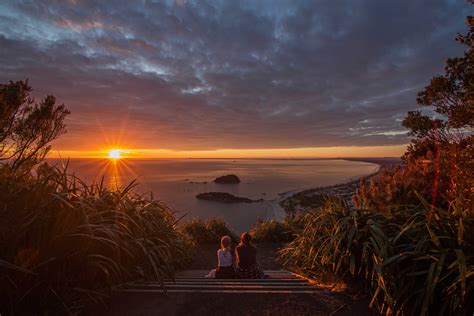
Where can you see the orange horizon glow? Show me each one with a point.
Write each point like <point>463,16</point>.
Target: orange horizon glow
<point>115,153</point>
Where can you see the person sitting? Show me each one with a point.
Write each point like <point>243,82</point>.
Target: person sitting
<point>246,254</point>
<point>225,268</point>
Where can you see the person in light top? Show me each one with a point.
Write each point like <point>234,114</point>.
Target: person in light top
<point>225,267</point>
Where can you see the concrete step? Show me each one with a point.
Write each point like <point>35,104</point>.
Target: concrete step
<point>235,291</point>
<point>222,286</point>
<point>233,280</point>
<point>193,281</point>
<point>222,282</point>
<point>273,274</point>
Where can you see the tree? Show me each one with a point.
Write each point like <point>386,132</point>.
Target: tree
<point>442,147</point>
<point>27,128</point>
<point>452,96</point>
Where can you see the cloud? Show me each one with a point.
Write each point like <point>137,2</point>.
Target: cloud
<point>230,74</point>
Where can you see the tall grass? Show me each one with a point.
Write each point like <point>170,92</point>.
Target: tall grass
<point>63,243</point>
<point>411,265</point>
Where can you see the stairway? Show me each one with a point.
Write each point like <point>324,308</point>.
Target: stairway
<point>193,281</point>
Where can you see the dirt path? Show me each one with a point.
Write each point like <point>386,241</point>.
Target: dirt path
<point>324,302</point>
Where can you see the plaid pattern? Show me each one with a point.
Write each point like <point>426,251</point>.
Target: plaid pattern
<point>253,272</point>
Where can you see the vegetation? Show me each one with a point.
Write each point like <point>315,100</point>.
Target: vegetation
<point>444,143</point>
<point>410,265</point>
<point>210,231</point>
<point>207,231</point>
<point>63,242</point>
<point>276,231</point>
<point>26,127</point>
<point>438,162</point>
<point>410,236</point>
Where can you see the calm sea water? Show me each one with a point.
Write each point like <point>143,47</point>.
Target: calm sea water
<point>170,181</point>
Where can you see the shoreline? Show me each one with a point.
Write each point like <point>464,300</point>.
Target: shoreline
<point>294,202</point>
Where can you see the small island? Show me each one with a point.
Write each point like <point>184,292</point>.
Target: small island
<point>224,197</point>
<point>227,179</point>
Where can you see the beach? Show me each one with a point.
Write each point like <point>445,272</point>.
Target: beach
<point>302,201</point>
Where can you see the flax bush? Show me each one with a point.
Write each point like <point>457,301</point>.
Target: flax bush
<point>64,243</point>
<point>410,264</point>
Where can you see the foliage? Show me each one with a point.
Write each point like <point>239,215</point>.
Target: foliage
<point>410,265</point>
<point>410,237</point>
<point>27,128</point>
<point>446,140</point>
<point>440,181</point>
<point>63,242</point>
<point>276,231</point>
<point>451,95</point>
<point>438,163</point>
<point>207,231</point>
<point>210,231</point>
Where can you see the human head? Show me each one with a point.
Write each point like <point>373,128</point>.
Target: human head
<point>225,242</point>
<point>245,238</point>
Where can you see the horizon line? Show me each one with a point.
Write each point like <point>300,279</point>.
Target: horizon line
<point>241,158</point>
<point>388,151</point>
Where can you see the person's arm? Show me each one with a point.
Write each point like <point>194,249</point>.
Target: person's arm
<point>237,258</point>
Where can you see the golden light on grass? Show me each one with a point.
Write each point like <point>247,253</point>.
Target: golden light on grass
<point>115,154</point>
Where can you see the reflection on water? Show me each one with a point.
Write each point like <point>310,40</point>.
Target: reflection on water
<point>178,181</point>
<point>115,173</point>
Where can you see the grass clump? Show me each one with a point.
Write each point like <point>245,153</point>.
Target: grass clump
<point>64,243</point>
<point>410,264</point>
<point>209,231</point>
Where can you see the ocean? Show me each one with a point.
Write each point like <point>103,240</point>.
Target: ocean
<point>177,182</point>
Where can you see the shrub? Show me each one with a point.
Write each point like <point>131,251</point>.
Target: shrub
<point>276,231</point>
<point>411,265</point>
<point>440,181</point>
<point>63,243</point>
<point>207,231</point>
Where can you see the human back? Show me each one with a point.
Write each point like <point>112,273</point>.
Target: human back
<point>246,254</point>
<point>224,257</point>
<point>225,268</point>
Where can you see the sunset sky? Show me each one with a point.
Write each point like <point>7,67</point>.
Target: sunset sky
<point>230,78</point>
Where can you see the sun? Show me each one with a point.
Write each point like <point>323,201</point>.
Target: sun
<point>115,154</point>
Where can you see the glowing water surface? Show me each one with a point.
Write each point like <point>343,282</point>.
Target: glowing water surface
<point>170,181</point>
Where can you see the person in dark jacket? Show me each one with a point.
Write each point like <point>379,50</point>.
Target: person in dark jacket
<point>246,257</point>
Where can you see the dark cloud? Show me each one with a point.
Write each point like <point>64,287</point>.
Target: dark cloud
<point>230,74</point>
